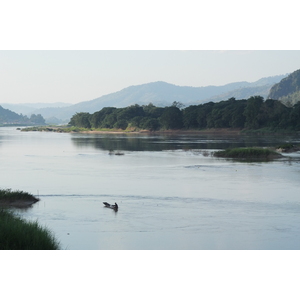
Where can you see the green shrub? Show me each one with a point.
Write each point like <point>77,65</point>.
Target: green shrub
<point>248,153</point>
<point>7,194</point>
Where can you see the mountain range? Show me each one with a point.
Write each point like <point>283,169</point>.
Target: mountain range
<point>158,93</point>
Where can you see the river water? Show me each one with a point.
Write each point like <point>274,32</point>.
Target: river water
<point>172,194</point>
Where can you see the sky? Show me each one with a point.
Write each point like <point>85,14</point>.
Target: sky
<point>67,51</point>
<point>72,76</point>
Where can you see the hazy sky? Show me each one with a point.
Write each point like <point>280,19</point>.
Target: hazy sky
<point>75,76</point>
<point>38,63</point>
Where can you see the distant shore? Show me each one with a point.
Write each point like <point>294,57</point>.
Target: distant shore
<point>62,129</point>
<point>213,131</point>
<point>224,131</point>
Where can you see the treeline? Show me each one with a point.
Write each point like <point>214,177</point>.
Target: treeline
<point>253,113</point>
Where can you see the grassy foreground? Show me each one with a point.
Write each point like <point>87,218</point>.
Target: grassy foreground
<point>248,154</point>
<point>19,234</point>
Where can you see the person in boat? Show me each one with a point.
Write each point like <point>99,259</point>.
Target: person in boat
<point>113,206</point>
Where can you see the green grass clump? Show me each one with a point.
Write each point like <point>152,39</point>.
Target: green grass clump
<point>286,146</point>
<point>19,234</point>
<point>16,195</point>
<point>248,153</point>
<point>16,198</point>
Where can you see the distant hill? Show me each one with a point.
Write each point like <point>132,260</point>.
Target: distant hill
<point>164,94</point>
<point>287,90</point>
<point>8,117</point>
<point>260,87</point>
<point>30,108</point>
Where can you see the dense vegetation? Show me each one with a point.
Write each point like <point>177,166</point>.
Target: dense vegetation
<point>9,198</point>
<point>19,234</point>
<point>248,153</point>
<point>8,194</point>
<point>253,113</point>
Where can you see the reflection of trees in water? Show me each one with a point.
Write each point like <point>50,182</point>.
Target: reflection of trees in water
<point>126,143</point>
<point>169,142</point>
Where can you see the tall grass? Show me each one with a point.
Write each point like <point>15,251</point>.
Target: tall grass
<point>19,234</point>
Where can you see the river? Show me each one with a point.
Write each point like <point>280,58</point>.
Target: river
<point>172,194</point>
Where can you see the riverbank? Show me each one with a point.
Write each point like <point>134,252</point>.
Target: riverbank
<point>66,129</point>
<point>208,131</point>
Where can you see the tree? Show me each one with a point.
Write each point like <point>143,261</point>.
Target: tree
<point>294,118</point>
<point>178,104</point>
<point>252,112</point>
<point>109,120</point>
<point>153,111</point>
<point>98,117</point>
<point>237,117</point>
<point>172,118</point>
<point>121,124</point>
<point>136,122</point>
<point>190,117</point>
<point>203,112</point>
<point>81,120</point>
<point>151,124</point>
<point>37,119</point>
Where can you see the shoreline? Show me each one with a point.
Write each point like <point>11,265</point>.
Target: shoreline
<point>213,131</point>
<point>58,129</point>
<point>210,131</point>
<point>17,203</point>
<point>204,131</point>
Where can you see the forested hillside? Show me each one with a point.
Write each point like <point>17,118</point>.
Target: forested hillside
<point>8,117</point>
<point>287,90</point>
<point>253,113</point>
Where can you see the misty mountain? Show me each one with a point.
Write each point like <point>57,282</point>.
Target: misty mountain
<point>162,94</point>
<point>244,93</point>
<point>287,90</point>
<point>260,87</point>
<point>8,117</point>
<point>29,108</point>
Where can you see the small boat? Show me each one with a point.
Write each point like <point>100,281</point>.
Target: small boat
<point>112,206</point>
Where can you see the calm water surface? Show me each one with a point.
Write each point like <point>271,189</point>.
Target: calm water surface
<point>171,193</point>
